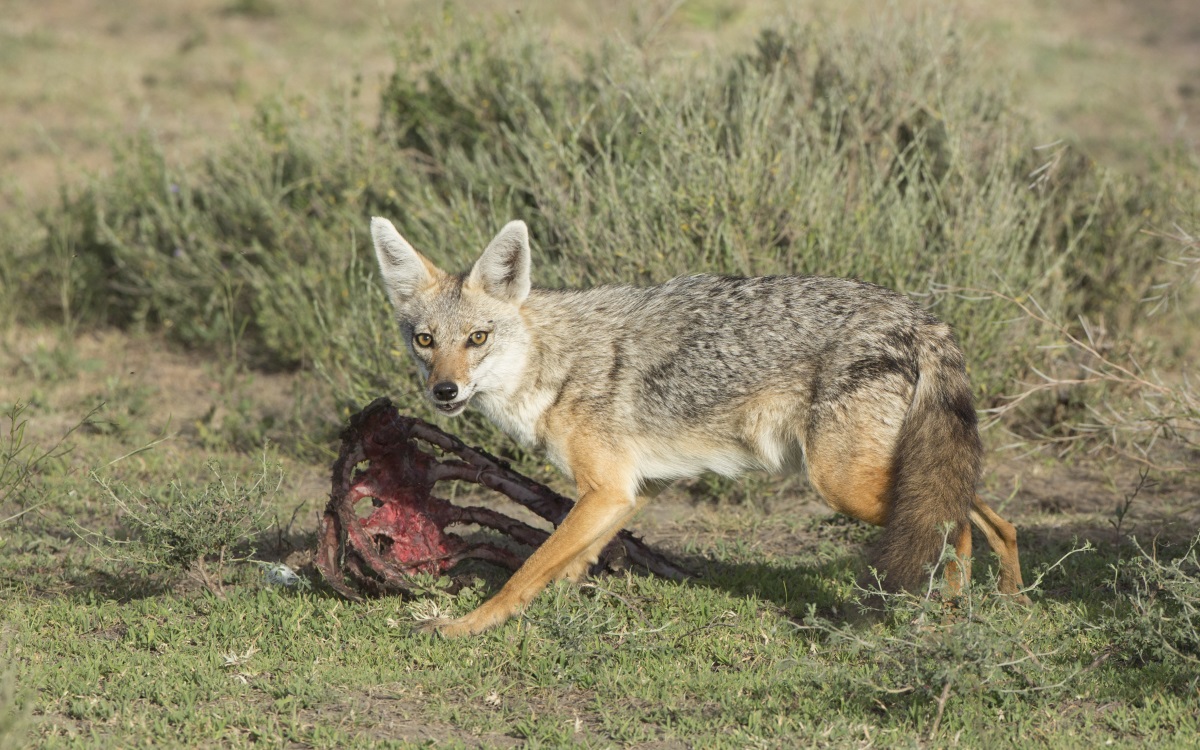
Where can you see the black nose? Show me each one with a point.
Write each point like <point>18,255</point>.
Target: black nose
<point>445,391</point>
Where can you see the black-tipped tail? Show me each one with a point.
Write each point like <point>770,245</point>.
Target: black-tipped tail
<point>937,465</point>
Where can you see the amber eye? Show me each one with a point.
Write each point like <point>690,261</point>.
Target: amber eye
<point>423,340</point>
<point>478,338</point>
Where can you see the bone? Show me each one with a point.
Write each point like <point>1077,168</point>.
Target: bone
<point>406,533</point>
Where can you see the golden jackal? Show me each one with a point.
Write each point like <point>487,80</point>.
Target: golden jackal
<point>627,388</point>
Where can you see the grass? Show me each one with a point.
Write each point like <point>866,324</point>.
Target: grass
<point>626,660</point>
<point>764,648</point>
<point>195,309</point>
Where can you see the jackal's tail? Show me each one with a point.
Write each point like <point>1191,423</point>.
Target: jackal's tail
<point>937,464</point>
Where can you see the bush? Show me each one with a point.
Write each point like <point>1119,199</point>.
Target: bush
<point>181,530</point>
<point>22,462</point>
<point>1162,622</point>
<point>891,155</point>
<point>934,652</point>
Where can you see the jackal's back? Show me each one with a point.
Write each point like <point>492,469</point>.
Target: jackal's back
<point>686,350</point>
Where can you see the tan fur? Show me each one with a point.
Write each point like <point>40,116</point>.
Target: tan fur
<point>859,488</point>
<point>958,571</point>
<point>449,365</point>
<point>851,464</point>
<point>627,389</point>
<point>604,505</point>
<point>1002,538</point>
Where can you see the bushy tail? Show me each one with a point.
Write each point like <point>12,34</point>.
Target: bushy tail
<point>937,465</point>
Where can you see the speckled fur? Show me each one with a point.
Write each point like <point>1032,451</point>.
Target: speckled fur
<point>627,387</point>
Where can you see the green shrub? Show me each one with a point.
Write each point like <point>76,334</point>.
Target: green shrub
<point>22,462</point>
<point>891,155</point>
<point>179,529</point>
<point>1162,593</point>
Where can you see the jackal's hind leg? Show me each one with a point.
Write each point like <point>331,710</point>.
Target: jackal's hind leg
<point>1002,538</point>
<point>859,484</point>
<point>958,571</point>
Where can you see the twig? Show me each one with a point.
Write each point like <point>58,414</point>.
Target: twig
<point>1167,411</point>
<point>941,704</point>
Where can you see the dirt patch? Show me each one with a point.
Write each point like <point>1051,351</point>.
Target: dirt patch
<point>141,384</point>
<point>1165,34</point>
<point>400,713</point>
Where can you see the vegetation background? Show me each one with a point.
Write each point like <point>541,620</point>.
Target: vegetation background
<point>190,312</point>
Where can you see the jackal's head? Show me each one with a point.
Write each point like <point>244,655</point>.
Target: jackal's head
<point>465,331</point>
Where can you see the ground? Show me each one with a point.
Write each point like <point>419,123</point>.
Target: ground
<point>626,661</point>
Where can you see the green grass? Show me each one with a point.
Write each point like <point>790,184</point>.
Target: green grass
<point>764,648</point>
<point>753,653</point>
<point>893,154</point>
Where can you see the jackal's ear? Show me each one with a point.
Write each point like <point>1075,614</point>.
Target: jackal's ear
<point>503,269</point>
<point>404,270</point>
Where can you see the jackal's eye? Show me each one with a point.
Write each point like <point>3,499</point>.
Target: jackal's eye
<point>423,340</point>
<point>478,338</point>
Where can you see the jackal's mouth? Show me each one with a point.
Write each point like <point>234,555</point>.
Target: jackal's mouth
<point>452,408</point>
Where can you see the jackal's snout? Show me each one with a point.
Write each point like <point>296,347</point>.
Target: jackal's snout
<point>444,391</point>
<point>447,395</point>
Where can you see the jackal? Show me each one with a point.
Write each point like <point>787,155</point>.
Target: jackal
<point>627,388</point>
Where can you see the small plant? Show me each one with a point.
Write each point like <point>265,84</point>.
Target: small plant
<point>180,529</point>
<point>21,461</point>
<point>932,651</point>
<point>1121,512</point>
<point>1162,623</point>
<point>15,470</point>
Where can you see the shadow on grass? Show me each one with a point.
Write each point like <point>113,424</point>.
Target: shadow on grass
<point>791,587</point>
<point>1049,551</point>
<point>1088,578</point>
<point>794,586</point>
<point>129,581</point>
<point>1085,578</point>
<point>120,586</point>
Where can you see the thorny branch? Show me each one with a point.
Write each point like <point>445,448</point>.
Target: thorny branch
<point>1164,411</point>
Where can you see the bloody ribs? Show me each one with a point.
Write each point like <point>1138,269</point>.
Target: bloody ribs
<point>382,458</point>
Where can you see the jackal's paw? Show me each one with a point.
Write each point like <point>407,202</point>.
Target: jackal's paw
<point>469,624</point>
<point>1011,590</point>
<point>444,627</point>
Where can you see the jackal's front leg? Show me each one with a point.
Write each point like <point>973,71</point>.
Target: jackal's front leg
<point>597,515</point>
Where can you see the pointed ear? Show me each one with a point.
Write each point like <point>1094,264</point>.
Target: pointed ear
<point>404,270</point>
<point>503,269</point>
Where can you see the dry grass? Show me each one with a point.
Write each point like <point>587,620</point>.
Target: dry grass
<point>76,74</point>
